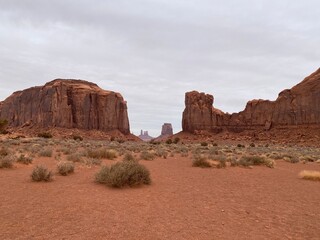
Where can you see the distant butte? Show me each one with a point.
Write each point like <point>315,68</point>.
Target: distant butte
<point>144,136</point>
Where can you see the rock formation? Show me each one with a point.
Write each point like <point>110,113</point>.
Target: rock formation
<point>298,106</point>
<point>144,136</point>
<point>166,130</point>
<point>67,104</point>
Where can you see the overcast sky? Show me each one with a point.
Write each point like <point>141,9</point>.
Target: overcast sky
<point>153,51</point>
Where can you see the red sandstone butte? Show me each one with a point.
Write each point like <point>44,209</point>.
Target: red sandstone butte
<point>298,106</point>
<point>67,104</point>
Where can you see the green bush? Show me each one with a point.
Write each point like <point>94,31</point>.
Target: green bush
<point>41,173</point>
<point>120,174</point>
<point>65,168</point>
<point>169,141</point>
<point>45,135</point>
<point>24,160</point>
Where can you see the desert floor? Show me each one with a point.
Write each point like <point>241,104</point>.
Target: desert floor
<point>183,202</point>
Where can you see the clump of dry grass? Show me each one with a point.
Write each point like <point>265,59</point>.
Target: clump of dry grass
<point>47,152</point>
<point>65,168</point>
<point>310,175</point>
<point>128,157</point>
<point>120,174</point>
<point>4,151</point>
<point>24,160</point>
<point>200,161</point>
<point>145,155</point>
<point>102,153</point>
<point>92,161</point>
<point>75,157</point>
<point>6,161</point>
<point>41,173</point>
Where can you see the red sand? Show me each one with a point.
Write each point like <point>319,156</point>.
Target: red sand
<point>183,202</point>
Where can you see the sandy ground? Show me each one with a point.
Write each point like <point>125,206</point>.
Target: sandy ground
<point>183,202</point>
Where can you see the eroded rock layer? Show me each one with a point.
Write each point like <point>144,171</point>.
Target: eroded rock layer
<point>67,104</point>
<point>298,106</point>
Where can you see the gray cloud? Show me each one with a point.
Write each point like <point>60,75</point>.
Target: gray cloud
<point>154,51</point>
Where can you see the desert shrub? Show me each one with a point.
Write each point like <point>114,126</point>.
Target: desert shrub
<point>214,144</point>
<point>290,159</point>
<point>200,161</point>
<point>102,153</point>
<point>77,138</point>
<point>75,157</point>
<point>233,162</point>
<point>153,142</point>
<point>41,173</point>
<point>111,154</point>
<point>176,140</point>
<point>6,161</point>
<point>128,157</point>
<point>35,148</point>
<point>240,145</point>
<point>66,150</point>
<point>212,154</point>
<point>24,160</point>
<point>251,160</point>
<point>160,152</point>
<point>308,158</point>
<point>47,152</point>
<point>269,163</point>
<point>65,167</point>
<point>252,145</point>
<point>184,154</point>
<point>204,144</point>
<point>4,151</point>
<point>169,141</point>
<point>145,155</point>
<point>103,175</point>
<point>92,161</point>
<point>222,163</point>
<point>128,173</point>
<point>285,157</point>
<point>310,175</point>
<point>45,135</point>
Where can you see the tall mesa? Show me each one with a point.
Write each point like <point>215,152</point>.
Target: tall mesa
<point>298,106</point>
<point>67,103</point>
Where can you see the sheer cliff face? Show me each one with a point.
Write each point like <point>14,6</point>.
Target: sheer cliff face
<point>68,104</point>
<point>297,106</point>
